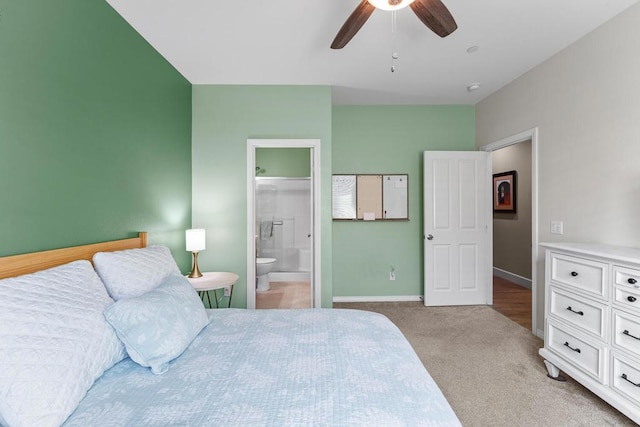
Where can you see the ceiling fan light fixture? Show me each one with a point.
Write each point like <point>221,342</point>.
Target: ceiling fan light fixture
<point>433,13</point>
<point>390,4</point>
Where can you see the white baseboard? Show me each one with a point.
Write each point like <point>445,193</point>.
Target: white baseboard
<point>540,334</point>
<point>514,278</point>
<point>393,298</point>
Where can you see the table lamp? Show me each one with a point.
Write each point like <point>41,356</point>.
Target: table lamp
<point>195,243</point>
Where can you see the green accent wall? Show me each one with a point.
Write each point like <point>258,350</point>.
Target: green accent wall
<point>95,131</point>
<point>224,117</point>
<point>283,162</point>
<point>389,139</point>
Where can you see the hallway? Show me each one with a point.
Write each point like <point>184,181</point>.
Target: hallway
<point>512,301</point>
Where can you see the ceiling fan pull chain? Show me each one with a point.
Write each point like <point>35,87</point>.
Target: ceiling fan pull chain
<point>394,54</point>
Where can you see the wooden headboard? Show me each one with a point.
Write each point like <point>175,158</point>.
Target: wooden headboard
<point>16,265</point>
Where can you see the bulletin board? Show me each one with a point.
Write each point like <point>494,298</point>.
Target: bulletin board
<point>370,197</point>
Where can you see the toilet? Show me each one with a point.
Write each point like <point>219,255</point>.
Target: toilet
<point>263,267</point>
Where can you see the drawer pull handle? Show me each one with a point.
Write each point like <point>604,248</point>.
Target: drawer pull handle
<point>624,377</point>
<point>632,281</point>
<point>577,350</point>
<point>626,332</point>
<point>631,299</point>
<point>574,273</point>
<point>576,312</point>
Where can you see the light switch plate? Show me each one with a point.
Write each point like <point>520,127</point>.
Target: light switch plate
<point>556,227</point>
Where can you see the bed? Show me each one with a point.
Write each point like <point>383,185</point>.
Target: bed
<point>325,367</point>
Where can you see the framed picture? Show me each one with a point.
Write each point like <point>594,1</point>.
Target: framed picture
<point>504,192</point>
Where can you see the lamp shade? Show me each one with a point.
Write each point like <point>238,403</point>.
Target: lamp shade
<point>195,240</point>
<point>390,4</point>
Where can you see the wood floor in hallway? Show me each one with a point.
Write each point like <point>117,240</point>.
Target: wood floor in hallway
<point>512,301</point>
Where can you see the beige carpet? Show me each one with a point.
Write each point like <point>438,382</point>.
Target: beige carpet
<point>489,369</point>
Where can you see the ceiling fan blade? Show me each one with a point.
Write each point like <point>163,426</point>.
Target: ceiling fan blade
<point>354,22</point>
<point>435,15</point>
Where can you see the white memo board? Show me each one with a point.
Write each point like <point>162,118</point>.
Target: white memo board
<point>344,196</point>
<point>395,198</point>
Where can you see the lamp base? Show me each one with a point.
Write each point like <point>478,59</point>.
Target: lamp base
<point>195,271</point>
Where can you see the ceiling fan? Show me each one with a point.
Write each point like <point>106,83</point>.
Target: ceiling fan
<point>433,13</point>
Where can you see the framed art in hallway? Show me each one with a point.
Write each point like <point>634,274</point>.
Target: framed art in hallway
<point>504,192</point>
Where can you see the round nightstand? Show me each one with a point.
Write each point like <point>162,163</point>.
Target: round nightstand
<point>213,281</point>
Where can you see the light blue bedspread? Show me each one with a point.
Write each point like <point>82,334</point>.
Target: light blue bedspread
<point>322,367</point>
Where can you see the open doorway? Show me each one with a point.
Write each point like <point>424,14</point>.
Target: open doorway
<point>283,218</point>
<point>512,235</point>
<point>517,231</point>
<point>282,228</point>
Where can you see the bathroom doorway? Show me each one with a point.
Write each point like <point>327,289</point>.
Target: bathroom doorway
<point>283,239</point>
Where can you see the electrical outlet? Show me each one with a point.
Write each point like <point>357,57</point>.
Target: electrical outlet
<point>227,291</point>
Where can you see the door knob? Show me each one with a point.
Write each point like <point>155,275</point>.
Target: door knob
<point>430,237</point>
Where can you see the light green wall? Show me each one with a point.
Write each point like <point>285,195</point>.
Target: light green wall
<point>389,139</point>
<point>224,117</point>
<point>94,131</point>
<point>283,162</point>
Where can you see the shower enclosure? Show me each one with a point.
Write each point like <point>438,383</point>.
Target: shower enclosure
<point>283,226</point>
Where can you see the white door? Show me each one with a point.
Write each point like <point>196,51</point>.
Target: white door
<point>457,211</point>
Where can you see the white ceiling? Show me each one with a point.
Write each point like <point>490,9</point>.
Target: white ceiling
<point>287,42</point>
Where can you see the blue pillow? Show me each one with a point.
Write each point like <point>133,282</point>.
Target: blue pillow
<point>158,326</point>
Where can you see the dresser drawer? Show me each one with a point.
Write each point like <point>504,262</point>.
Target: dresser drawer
<point>584,275</point>
<point>625,378</point>
<point>582,313</point>
<point>627,297</point>
<point>626,332</point>
<point>626,277</point>
<point>587,356</point>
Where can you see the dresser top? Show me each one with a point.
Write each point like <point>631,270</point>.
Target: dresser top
<point>617,253</point>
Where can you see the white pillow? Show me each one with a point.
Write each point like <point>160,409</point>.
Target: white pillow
<point>132,272</point>
<point>158,326</point>
<point>55,343</point>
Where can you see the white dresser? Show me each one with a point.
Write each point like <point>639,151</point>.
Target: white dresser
<point>592,320</point>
